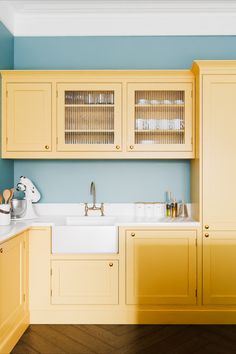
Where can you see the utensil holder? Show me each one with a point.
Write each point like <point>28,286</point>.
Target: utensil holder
<point>5,214</point>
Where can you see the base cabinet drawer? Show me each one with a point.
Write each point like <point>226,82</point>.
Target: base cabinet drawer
<point>81,282</point>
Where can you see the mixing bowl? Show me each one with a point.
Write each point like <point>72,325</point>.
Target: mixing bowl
<point>18,208</point>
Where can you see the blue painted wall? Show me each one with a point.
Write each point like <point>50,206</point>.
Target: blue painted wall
<point>117,181</point>
<point>6,62</point>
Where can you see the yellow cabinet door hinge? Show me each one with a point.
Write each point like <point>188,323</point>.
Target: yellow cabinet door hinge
<point>57,94</point>
<point>196,292</point>
<point>196,242</point>
<point>6,94</point>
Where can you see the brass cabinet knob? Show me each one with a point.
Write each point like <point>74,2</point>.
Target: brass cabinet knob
<point>132,234</point>
<point>110,264</point>
<point>206,227</point>
<point>46,147</point>
<point>1,250</point>
<point>207,235</point>
<point>117,147</point>
<point>131,147</point>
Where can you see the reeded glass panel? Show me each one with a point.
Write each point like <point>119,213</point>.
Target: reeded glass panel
<point>159,117</point>
<point>89,117</point>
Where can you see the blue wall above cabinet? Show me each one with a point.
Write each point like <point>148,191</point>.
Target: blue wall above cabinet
<point>6,62</point>
<point>172,52</point>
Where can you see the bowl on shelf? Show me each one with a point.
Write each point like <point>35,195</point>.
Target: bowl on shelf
<point>18,208</point>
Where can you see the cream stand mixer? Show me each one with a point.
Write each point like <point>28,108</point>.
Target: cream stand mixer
<point>32,195</point>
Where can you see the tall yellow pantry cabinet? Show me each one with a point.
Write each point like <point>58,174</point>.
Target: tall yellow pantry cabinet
<point>217,148</point>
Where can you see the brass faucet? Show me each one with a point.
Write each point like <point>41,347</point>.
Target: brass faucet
<point>93,207</point>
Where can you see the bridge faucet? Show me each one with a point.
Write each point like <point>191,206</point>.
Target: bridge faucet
<point>93,207</point>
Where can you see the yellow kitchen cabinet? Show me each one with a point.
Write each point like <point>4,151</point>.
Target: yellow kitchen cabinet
<point>84,282</point>
<point>160,117</point>
<point>28,121</point>
<point>13,291</point>
<point>219,146</point>
<point>89,117</point>
<point>160,267</point>
<point>98,114</point>
<point>219,268</point>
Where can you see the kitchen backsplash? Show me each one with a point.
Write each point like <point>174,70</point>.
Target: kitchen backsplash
<point>116,181</point>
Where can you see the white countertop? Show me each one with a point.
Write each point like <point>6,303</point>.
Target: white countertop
<point>16,227</point>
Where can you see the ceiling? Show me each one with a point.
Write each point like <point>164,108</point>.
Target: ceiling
<point>118,17</point>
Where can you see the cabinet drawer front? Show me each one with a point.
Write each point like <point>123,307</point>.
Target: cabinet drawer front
<point>161,267</point>
<point>85,282</point>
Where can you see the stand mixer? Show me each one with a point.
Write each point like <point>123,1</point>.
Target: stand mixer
<point>32,195</point>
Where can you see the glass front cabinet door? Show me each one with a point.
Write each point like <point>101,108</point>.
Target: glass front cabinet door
<point>160,117</point>
<point>89,117</point>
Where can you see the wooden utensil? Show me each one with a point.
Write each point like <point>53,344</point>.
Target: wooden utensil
<point>0,199</point>
<point>12,193</point>
<point>6,195</point>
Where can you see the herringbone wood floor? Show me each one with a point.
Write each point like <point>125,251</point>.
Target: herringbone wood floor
<point>127,339</point>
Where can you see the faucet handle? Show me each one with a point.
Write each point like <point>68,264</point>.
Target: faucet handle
<point>85,209</point>
<point>102,209</point>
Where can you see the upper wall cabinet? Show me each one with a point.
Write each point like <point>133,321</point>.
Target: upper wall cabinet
<point>98,114</point>
<point>28,117</point>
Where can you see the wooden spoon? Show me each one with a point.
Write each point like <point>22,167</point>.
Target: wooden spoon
<point>0,199</point>
<point>6,195</point>
<point>12,193</point>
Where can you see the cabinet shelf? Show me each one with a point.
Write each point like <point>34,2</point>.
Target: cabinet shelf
<point>159,105</point>
<point>159,131</point>
<point>89,131</point>
<point>98,105</point>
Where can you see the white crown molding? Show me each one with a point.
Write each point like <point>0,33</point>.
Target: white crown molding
<point>126,25</point>
<point>7,16</point>
<point>119,18</point>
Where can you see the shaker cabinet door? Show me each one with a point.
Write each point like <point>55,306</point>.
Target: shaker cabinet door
<point>85,282</point>
<point>13,292</point>
<point>219,268</point>
<point>28,117</point>
<point>219,146</point>
<point>161,267</point>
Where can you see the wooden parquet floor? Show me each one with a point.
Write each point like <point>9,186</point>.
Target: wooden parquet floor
<point>127,339</point>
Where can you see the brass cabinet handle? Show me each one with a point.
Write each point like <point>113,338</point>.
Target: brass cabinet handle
<point>132,234</point>
<point>131,147</point>
<point>110,264</point>
<point>206,227</point>
<point>207,235</point>
<point>117,147</point>
<point>1,250</point>
<point>46,147</point>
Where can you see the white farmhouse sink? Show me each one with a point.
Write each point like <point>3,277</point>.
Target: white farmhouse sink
<point>90,220</point>
<point>84,239</point>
